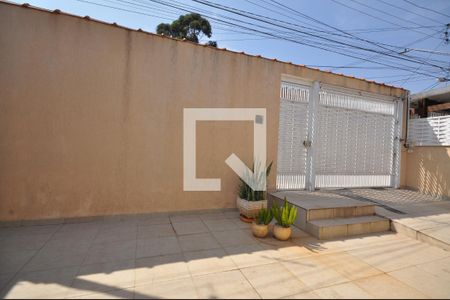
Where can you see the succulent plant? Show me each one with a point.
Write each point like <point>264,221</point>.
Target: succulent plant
<point>284,215</point>
<point>246,192</point>
<point>265,216</point>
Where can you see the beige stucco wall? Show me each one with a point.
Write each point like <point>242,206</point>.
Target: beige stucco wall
<point>428,170</point>
<point>91,116</point>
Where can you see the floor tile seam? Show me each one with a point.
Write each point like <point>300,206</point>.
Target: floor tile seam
<point>86,293</point>
<point>364,262</point>
<point>308,289</point>
<point>185,260</point>
<point>431,236</point>
<point>399,222</point>
<point>28,261</point>
<point>347,280</point>
<point>135,261</point>
<point>215,238</point>
<point>251,285</point>
<point>93,293</point>
<point>384,273</point>
<point>235,266</point>
<point>400,268</point>
<point>84,259</point>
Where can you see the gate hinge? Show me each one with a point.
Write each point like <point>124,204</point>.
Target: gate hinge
<point>307,143</point>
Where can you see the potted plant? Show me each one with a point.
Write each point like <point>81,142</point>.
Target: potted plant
<point>260,228</point>
<point>285,217</point>
<point>249,201</point>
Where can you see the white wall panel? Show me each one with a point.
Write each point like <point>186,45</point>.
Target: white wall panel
<point>432,131</point>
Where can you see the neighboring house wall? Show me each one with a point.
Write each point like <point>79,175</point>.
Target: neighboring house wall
<point>427,164</point>
<point>428,170</point>
<point>91,116</point>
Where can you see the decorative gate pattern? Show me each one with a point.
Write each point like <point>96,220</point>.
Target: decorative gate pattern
<point>353,138</point>
<point>293,131</point>
<point>354,141</point>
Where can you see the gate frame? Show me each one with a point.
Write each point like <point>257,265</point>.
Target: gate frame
<point>310,176</point>
<point>398,128</point>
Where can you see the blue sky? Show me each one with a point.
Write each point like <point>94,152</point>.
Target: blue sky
<point>384,16</point>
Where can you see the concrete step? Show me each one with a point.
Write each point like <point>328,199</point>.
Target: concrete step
<point>341,227</point>
<point>319,205</point>
<point>340,212</point>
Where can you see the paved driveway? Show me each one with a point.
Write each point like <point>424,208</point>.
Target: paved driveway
<point>211,255</point>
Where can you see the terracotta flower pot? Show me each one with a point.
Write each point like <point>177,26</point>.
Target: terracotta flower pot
<point>260,230</point>
<point>282,233</point>
<point>250,209</point>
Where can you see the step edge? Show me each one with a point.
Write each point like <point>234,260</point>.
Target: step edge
<point>371,219</point>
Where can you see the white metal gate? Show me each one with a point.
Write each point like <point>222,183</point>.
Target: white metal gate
<point>335,137</point>
<point>293,130</point>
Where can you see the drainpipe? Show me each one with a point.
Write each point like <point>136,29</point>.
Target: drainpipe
<point>408,106</point>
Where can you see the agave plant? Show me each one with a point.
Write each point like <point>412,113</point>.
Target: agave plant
<point>264,217</point>
<point>284,215</point>
<point>259,178</point>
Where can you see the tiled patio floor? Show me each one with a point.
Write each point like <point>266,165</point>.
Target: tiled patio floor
<point>211,255</point>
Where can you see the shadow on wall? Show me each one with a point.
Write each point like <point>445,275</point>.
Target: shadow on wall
<point>428,170</point>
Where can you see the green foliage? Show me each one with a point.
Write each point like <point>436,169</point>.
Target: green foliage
<point>189,26</point>
<point>164,28</point>
<point>258,177</point>
<point>284,215</point>
<point>265,216</point>
<point>243,190</point>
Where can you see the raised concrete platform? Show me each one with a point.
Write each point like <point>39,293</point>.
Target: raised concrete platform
<point>342,227</point>
<point>423,217</point>
<point>326,215</point>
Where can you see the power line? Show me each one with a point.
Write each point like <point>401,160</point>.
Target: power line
<point>361,30</point>
<point>285,15</point>
<point>384,20</point>
<point>388,14</point>
<point>370,15</point>
<point>333,27</point>
<point>347,67</point>
<point>426,8</point>
<point>132,4</point>
<point>377,44</point>
<point>122,9</point>
<point>265,33</point>
<point>431,86</point>
<point>409,11</point>
<point>410,81</point>
<point>428,51</point>
<point>170,4</point>
<point>346,32</point>
<point>407,45</point>
<point>392,76</point>
<point>418,68</point>
<point>253,17</point>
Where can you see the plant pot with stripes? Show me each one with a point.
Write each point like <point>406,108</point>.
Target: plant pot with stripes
<point>250,209</point>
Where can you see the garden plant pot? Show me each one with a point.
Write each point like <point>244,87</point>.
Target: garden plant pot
<point>260,230</point>
<point>282,233</point>
<point>250,209</point>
